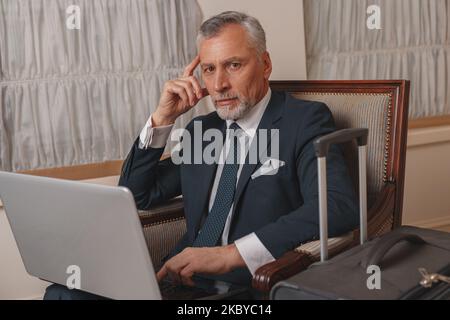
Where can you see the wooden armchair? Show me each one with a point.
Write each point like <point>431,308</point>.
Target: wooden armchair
<point>379,105</point>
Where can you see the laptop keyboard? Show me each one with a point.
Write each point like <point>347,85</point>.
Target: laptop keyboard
<point>172,291</point>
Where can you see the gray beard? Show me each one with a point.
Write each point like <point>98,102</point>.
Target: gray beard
<point>237,113</point>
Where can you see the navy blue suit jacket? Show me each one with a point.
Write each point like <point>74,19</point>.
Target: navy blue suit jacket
<point>282,209</point>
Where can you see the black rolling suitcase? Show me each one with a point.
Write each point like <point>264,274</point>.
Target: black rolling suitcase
<point>406,263</point>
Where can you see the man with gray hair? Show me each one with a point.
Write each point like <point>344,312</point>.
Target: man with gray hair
<point>239,215</point>
<point>267,215</point>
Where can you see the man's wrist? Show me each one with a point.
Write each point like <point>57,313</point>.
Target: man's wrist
<point>234,257</point>
<point>158,120</point>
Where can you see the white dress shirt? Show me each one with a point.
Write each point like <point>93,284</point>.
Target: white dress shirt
<point>251,249</point>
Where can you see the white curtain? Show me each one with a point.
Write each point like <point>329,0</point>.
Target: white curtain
<point>81,96</point>
<point>413,43</point>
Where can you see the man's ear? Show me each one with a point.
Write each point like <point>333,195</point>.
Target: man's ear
<point>267,65</point>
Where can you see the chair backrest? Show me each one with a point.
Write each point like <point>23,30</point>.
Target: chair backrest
<point>382,107</point>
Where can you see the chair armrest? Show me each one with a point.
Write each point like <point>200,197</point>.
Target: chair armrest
<point>289,264</point>
<point>295,261</point>
<point>168,211</point>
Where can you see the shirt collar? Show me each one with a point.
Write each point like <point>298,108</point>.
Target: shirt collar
<point>249,123</point>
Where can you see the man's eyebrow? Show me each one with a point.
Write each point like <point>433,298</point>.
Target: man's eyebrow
<point>228,60</point>
<point>203,65</point>
<point>233,59</point>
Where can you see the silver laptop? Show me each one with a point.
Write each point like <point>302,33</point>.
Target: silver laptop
<point>65,229</point>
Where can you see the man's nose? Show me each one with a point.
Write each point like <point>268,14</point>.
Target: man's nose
<point>221,81</point>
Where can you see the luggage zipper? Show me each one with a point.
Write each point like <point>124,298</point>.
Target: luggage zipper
<point>432,285</point>
<point>428,279</point>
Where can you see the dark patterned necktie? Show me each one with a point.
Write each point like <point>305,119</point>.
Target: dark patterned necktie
<point>215,221</point>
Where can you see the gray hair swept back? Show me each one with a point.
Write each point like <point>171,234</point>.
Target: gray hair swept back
<point>255,32</point>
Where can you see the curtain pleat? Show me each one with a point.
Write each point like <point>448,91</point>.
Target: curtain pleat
<point>81,96</point>
<point>413,43</point>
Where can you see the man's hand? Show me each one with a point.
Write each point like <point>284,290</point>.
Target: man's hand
<point>179,96</point>
<point>209,260</point>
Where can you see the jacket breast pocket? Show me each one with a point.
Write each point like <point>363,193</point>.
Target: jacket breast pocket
<point>281,173</point>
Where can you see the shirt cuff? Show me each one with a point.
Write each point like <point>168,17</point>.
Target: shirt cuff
<point>154,137</point>
<point>254,253</point>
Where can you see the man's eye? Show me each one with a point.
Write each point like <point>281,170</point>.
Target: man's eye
<point>208,69</point>
<point>235,65</point>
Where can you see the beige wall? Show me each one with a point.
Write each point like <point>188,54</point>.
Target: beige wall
<point>283,23</point>
<point>427,179</point>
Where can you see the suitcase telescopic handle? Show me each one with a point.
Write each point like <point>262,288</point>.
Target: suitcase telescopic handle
<point>382,247</point>
<point>321,146</point>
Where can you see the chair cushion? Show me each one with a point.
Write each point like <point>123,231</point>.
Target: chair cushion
<point>335,245</point>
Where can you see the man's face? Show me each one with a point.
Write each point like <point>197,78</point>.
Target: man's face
<point>235,76</point>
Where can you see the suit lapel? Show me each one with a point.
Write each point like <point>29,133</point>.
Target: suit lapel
<point>270,116</point>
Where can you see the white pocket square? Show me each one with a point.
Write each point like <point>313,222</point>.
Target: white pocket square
<point>269,167</point>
